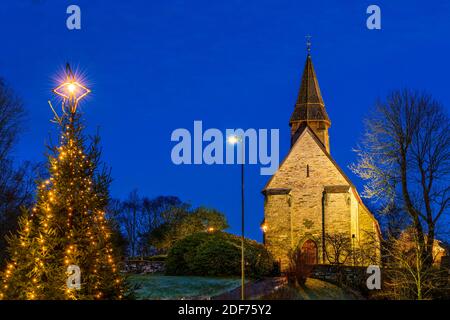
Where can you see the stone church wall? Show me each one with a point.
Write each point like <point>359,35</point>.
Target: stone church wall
<point>278,236</point>
<point>337,213</point>
<point>301,210</point>
<point>293,201</point>
<point>369,241</point>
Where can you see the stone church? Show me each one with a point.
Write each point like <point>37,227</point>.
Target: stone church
<point>310,199</point>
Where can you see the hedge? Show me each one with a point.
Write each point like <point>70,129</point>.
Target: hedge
<point>218,254</point>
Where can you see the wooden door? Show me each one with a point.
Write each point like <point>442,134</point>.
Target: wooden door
<point>309,252</point>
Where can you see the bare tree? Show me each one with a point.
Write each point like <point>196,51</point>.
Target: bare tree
<point>15,179</point>
<point>407,275</point>
<point>338,248</point>
<point>405,160</point>
<point>12,115</point>
<point>114,213</point>
<point>16,192</point>
<point>141,220</point>
<point>132,208</point>
<point>160,210</point>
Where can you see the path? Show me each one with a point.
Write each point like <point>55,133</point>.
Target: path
<point>253,290</point>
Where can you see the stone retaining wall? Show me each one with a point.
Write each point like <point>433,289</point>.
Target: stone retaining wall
<point>348,276</point>
<point>144,266</point>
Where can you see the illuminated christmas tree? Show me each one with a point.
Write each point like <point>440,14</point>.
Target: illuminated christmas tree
<point>67,228</point>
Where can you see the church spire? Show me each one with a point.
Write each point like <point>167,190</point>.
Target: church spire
<point>310,109</point>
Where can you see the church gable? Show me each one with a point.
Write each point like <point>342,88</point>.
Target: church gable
<point>307,163</point>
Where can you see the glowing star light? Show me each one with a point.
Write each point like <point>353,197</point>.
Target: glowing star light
<point>72,90</point>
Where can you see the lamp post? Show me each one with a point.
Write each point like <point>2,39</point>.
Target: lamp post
<point>235,140</point>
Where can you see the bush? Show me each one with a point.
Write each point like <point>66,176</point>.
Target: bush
<point>218,254</point>
<point>181,252</point>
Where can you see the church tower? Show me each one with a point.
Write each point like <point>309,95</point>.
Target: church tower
<point>309,108</point>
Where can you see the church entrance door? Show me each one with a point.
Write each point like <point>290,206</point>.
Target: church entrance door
<point>309,252</point>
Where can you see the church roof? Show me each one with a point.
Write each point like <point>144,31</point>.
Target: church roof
<point>309,105</point>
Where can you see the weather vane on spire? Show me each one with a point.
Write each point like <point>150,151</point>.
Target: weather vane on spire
<point>308,44</point>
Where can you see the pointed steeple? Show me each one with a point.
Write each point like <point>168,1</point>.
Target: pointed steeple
<point>310,109</point>
<point>309,105</point>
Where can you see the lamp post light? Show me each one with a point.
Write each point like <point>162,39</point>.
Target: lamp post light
<point>235,140</point>
<point>264,228</point>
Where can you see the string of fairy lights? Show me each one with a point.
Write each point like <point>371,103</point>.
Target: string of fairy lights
<point>69,195</point>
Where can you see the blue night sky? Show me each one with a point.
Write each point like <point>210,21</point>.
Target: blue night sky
<point>155,66</point>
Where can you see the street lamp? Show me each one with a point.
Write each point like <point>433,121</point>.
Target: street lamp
<point>235,140</point>
<point>264,227</point>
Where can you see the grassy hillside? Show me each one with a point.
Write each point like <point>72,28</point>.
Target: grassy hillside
<point>178,287</point>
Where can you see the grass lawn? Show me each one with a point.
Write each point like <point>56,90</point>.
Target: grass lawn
<point>168,287</point>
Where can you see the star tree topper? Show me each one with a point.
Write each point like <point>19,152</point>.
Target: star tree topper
<point>71,90</point>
